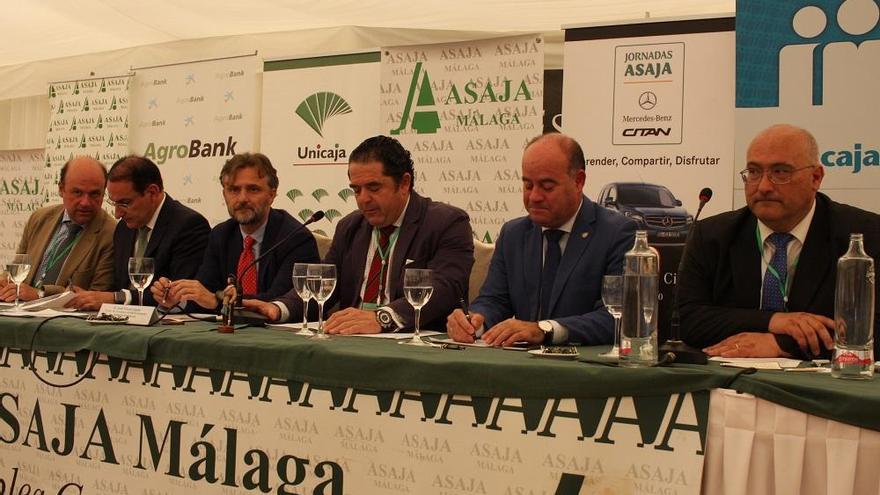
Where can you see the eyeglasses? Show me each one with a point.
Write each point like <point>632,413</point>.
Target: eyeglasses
<point>123,204</point>
<point>777,175</point>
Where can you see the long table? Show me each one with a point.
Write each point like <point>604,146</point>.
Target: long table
<point>183,408</point>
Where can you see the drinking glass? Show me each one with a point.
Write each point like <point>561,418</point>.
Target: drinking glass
<point>18,267</point>
<point>321,281</point>
<point>140,272</point>
<point>300,274</point>
<point>612,297</point>
<point>418,287</point>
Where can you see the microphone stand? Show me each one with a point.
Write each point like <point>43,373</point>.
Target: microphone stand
<point>681,352</point>
<point>237,314</point>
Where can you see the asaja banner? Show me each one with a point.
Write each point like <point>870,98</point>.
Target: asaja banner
<point>22,191</point>
<point>189,119</point>
<point>465,111</point>
<point>87,117</point>
<point>315,112</point>
<point>130,426</point>
<point>816,65</point>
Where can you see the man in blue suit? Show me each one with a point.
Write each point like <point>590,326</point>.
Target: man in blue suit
<point>545,280</point>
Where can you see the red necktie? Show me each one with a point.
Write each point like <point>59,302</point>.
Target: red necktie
<point>247,280</point>
<point>371,291</point>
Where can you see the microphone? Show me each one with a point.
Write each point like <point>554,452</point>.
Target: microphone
<point>674,349</point>
<point>318,215</point>
<point>705,196</point>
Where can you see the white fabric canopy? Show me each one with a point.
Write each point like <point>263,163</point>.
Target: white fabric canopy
<point>46,29</point>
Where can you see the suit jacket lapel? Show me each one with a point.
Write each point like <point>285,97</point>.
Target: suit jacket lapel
<point>578,240</point>
<point>83,246</point>
<point>814,262</point>
<point>360,245</point>
<point>42,238</point>
<point>408,230</point>
<point>745,266</point>
<point>533,260</point>
<point>160,228</point>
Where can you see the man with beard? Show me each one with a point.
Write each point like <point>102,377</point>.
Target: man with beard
<point>250,184</point>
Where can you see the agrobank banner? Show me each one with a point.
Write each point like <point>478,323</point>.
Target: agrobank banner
<point>315,112</point>
<point>189,119</point>
<point>465,111</point>
<point>815,64</point>
<point>144,427</point>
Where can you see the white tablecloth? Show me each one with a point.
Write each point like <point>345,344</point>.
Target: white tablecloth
<point>755,446</point>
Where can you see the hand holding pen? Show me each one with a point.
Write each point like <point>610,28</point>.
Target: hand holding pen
<point>462,325</point>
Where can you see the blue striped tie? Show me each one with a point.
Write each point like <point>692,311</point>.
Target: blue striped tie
<point>773,296</point>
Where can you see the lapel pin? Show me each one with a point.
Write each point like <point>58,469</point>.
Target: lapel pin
<point>585,235</point>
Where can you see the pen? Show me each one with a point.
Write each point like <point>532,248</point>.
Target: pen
<point>165,294</point>
<point>464,308</point>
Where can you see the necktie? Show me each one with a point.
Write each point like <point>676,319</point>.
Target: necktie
<point>551,265</point>
<point>248,281</point>
<point>57,252</point>
<point>140,246</point>
<point>773,292</point>
<point>371,291</point>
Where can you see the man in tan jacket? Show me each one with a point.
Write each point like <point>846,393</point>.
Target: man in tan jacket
<point>70,243</point>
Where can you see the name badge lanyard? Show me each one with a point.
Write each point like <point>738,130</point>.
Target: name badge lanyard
<point>784,286</point>
<point>55,256</point>
<point>384,255</point>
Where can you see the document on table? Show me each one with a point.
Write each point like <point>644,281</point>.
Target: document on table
<point>758,363</point>
<point>43,313</point>
<point>393,336</point>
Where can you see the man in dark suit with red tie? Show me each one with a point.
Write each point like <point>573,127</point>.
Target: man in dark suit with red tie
<point>151,225</point>
<point>393,229</point>
<point>250,184</point>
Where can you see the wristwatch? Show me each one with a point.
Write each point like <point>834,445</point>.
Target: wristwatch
<point>385,320</point>
<point>119,297</point>
<point>547,327</point>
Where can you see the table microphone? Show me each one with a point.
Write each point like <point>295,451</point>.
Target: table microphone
<point>251,317</point>
<point>681,352</point>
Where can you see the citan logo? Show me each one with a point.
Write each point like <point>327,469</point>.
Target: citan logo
<point>320,107</point>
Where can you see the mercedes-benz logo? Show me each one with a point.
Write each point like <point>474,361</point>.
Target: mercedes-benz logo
<point>667,221</point>
<point>647,100</point>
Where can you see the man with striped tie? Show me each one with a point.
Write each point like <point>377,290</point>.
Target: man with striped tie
<point>760,281</point>
<point>71,243</point>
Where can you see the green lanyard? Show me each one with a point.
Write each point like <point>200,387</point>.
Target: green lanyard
<point>55,256</point>
<point>783,284</point>
<point>383,255</point>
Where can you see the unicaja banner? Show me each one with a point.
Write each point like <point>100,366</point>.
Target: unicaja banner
<point>465,111</point>
<point>87,117</point>
<point>22,191</point>
<point>190,118</point>
<point>315,112</point>
<point>816,65</point>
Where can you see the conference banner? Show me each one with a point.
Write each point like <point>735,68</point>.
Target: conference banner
<point>652,105</point>
<point>22,191</point>
<point>315,112</point>
<point>147,427</point>
<point>465,111</point>
<point>815,65</point>
<point>190,118</point>
<point>87,117</point>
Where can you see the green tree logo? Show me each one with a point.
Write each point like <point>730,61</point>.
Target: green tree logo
<point>320,107</point>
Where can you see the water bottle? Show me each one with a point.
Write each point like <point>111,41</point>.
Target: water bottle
<point>854,313</point>
<point>641,268</point>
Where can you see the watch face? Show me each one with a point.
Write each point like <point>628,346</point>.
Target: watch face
<point>545,326</point>
<point>384,319</point>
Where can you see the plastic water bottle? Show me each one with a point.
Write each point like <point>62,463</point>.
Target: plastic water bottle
<point>854,313</point>
<point>641,268</point>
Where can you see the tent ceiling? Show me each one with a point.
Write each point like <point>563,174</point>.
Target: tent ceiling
<point>46,29</point>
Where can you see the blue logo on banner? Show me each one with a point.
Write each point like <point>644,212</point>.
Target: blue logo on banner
<point>819,29</point>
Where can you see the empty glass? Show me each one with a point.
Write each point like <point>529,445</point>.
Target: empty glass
<point>300,274</point>
<point>612,297</point>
